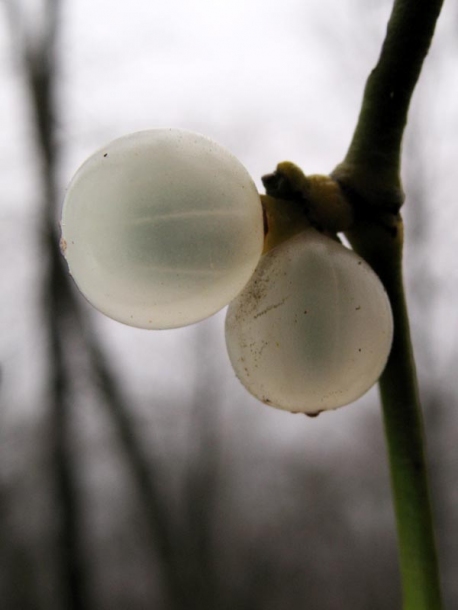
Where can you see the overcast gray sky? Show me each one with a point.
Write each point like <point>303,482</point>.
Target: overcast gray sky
<point>270,80</point>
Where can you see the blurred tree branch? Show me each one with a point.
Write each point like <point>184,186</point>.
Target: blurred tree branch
<point>39,63</point>
<point>61,311</point>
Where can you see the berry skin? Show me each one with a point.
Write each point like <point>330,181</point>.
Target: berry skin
<point>161,228</point>
<point>312,329</point>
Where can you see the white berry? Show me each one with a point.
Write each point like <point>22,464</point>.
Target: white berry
<point>161,228</point>
<point>312,329</point>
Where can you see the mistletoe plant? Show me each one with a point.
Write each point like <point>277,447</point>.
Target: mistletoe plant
<point>163,228</point>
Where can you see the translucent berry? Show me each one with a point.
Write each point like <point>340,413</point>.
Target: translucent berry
<point>312,329</point>
<point>161,228</point>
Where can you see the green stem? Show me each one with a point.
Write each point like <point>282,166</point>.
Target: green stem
<point>403,427</point>
<point>404,434</point>
<point>370,179</point>
<point>372,162</point>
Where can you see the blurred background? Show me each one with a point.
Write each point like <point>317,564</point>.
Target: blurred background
<point>135,471</point>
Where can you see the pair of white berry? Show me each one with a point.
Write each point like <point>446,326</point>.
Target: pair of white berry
<point>163,228</point>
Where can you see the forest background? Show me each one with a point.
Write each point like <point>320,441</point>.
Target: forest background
<point>130,459</point>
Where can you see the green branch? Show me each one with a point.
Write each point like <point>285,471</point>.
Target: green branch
<point>404,433</point>
<point>403,426</point>
<point>372,163</point>
<point>370,178</point>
